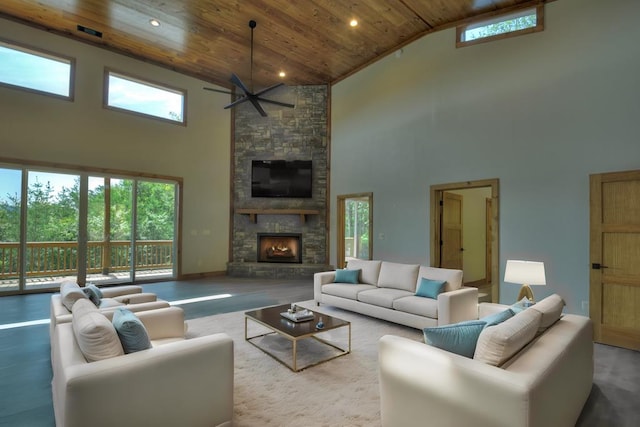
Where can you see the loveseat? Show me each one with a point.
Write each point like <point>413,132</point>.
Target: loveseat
<point>387,290</point>
<point>111,298</point>
<point>175,382</point>
<point>545,382</point>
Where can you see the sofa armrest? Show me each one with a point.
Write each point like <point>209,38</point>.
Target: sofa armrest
<point>115,291</point>
<point>136,298</point>
<point>320,279</point>
<point>457,306</point>
<point>163,323</point>
<point>185,381</point>
<point>421,382</point>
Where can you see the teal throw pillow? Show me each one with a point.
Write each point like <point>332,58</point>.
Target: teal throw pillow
<point>132,333</point>
<point>347,276</point>
<point>93,293</point>
<point>494,319</point>
<point>430,288</point>
<point>460,338</point>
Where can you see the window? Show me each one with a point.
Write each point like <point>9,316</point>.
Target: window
<point>36,71</point>
<point>516,23</point>
<point>131,94</point>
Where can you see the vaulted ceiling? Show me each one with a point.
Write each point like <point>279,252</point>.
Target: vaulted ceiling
<point>310,40</point>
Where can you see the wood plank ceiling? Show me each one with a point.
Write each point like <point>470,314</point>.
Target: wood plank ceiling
<point>310,40</point>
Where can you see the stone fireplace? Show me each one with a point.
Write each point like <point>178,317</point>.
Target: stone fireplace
<point>279,247</point>
<point>280,237</point>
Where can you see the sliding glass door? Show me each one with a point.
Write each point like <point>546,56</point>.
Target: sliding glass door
<point>99,229</point>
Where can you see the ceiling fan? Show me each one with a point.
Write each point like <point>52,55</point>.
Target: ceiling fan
<point>254,97</point>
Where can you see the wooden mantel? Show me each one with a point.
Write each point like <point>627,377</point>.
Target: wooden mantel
<point>253,213</point>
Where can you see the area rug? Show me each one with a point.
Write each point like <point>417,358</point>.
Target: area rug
<point>341,392</point>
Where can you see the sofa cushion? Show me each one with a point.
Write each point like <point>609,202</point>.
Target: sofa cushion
<point>132,333</point>
<point>459,338</point>
<point>370,270</point>
<point>347,276</point>
<point>451,276</point>
<point>382,297</point>
<point>70,292</point>
<point>398,276</point>
<point>419,306</point>
<point>344,290</point>
<point>110,302</point>
<point>95,335</point>
<point>551,310</point>
<point>428,288</point>
<point>498,343</point>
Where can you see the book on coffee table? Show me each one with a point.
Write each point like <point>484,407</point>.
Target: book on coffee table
<point>298,316</point>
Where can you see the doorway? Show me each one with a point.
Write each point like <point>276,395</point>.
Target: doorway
<point>473,248</point>
<point>614,278</point>
<point>355,227</point>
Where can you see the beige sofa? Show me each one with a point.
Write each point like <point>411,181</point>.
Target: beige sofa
<point>114,297</point>
<point>546,383</point>
<point>386,290</point>
<point>176,382</point>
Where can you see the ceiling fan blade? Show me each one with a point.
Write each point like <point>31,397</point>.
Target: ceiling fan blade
<point>263,91</point>
<point>270,101</point>
<point>236,81</point>
<point>218,90</point>
<point>237,101</point>
<point>256,104</point>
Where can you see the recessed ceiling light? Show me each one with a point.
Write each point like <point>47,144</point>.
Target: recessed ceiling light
<point>354,23</point>
<point>154,22</point>
<point>282,74</point>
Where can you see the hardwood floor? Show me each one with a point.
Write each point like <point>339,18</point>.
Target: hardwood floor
<point>25,364</point>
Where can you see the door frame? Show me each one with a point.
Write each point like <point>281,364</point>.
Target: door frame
<point>341,199</point>
<point>436,192</point>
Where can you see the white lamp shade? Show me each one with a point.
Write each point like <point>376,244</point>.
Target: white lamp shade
<point>525,272</point>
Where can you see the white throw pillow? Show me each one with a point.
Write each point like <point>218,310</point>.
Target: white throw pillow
<point>498,343</point>
<point>95,334</point>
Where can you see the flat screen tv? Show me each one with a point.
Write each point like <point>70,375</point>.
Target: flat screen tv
<point>281,178</point>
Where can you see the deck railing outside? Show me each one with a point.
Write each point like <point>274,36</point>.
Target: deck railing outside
<point>61,258</point>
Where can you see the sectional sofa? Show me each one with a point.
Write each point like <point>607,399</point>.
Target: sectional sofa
<point>388,291</point>
<point>535,369</point>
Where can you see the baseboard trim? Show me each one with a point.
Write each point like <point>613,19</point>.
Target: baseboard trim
<point>203,275</point>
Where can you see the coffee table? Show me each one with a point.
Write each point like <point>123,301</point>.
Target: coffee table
<point>270,318</point>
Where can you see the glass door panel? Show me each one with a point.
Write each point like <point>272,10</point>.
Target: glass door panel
<point>155,230</point>
<point>10,204</point>
<point>355,222</point>
<point>52,228</point>
<point>120,225</point>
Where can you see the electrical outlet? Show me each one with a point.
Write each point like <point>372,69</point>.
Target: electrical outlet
<point>585,306</point>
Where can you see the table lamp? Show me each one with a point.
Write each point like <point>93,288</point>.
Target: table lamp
<point>525,273</point>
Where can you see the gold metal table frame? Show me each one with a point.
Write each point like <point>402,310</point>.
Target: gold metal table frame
<point>270,318</point>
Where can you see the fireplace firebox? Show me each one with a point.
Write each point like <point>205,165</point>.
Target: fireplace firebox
<point>280,247</point>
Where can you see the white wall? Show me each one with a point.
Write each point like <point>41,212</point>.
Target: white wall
<point>36,127</point>
<point>540,112</point>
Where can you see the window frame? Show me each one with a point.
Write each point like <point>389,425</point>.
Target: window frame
<point>461,29</point>
<point>47,54</point>
<point>151,83</point>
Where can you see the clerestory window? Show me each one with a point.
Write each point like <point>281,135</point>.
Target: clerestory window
<point>126,93</point>
<point>35,70</point>
<point>524,21</point>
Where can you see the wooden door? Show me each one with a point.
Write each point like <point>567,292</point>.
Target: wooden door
<point>615,258</point>
<point>451,245</point>
<point>488,242</point>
